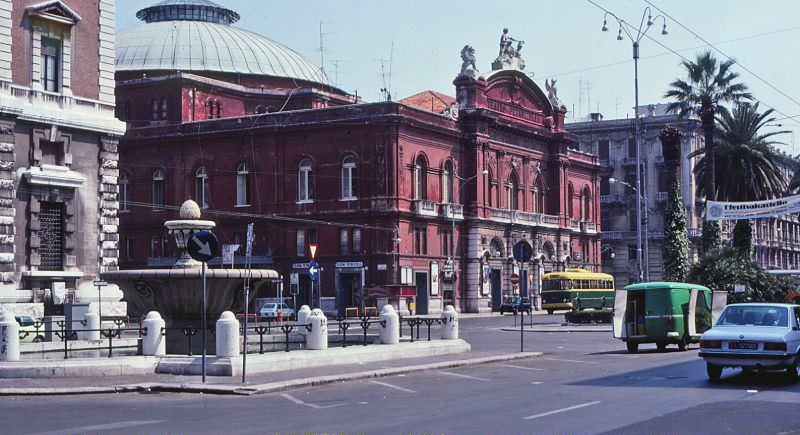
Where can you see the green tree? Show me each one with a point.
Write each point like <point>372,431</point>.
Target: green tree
<point>711,237</point>
<point>708,85</point>
<point>721,268</point>
<point>676,243</point>
<point>743,153</point>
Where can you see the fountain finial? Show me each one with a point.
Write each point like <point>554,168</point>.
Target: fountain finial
<point>190,210</point>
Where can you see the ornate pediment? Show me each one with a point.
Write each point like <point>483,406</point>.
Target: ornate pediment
<point>54,10</point>
<point>514,94</point>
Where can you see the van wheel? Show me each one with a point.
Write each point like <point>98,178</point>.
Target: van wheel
<point>714,372</point>
<point>632,347</point>
<point>683,344</point>
<point>662,347</point>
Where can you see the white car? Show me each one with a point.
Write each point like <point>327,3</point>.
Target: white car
<point>753,336</point>
<point>274,310</point>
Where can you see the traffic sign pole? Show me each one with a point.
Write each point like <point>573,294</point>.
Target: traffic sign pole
<point>248,256</point>
<point>204,322</point>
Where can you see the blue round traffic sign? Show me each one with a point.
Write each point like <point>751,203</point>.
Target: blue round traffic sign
<point>203,246</point>
<point>313,270</point>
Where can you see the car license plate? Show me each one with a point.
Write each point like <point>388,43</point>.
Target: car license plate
<point>743,345</point>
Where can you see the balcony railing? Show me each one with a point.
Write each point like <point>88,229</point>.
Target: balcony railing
<point>39,97</point>
<point>425,207</point>
<point>588,227</point>
<point>608,163</point>
<point>612,199</point>
<point>451,211</point>
<point>631,161</point>
<point>521,217</point>
<point>574,224</point>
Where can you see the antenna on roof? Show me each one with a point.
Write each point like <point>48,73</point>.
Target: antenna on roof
<point>386,90</point>
<point>322,50</point>
<point>335,63</point>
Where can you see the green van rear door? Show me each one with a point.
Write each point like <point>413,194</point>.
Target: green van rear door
<point>657,304</point>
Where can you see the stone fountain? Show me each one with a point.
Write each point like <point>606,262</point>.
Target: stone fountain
<point>177,292</point>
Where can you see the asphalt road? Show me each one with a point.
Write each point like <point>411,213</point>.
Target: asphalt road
<point>585,383</point>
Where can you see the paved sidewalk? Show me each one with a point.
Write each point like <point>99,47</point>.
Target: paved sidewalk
<point>345,372</point>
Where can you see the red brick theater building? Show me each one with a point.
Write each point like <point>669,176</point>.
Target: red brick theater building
<point>254,132</point>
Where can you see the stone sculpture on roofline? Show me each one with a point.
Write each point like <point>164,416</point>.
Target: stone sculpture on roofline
<point>509,56</point>
<point>468,67</point>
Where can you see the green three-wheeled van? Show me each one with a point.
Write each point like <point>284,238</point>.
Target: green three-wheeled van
<point>665,313</point>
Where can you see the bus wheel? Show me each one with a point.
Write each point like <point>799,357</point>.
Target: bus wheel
<point>549,311</point>
<point>662,347</point>
<point>632,347</point>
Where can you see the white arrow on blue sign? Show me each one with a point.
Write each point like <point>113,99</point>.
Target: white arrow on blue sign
<point>203,246</point>
<point>313,270</point>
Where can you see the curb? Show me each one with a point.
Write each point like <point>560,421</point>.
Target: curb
<point>271,387</point>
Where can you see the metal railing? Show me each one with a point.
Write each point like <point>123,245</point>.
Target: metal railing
<point>67,333</point>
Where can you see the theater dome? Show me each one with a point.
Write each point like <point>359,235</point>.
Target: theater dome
<point>197,35</point>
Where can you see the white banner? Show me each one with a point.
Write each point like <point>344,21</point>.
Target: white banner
<point>731,211</point>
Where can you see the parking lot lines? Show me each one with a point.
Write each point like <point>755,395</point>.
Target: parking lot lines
<point>533,369</point>
<point>558,411</point>
<point>568,360</point>
<point>459,375</point>
<point>310,405</point>
<point>388,385</point>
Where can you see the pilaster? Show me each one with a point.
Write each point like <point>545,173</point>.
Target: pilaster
<point>5,40</point>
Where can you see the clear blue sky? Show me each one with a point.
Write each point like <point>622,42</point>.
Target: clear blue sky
<point>563,40</point>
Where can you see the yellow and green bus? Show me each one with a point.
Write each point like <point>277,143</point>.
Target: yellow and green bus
<point>577,289</point>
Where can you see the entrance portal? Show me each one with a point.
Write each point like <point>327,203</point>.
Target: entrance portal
<point>497,289</point>
<point>421,279</point>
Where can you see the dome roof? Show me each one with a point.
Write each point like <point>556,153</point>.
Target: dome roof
<point>196,35</point>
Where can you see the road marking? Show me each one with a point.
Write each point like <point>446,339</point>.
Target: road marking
<point>107,426</point>
<point>534,369</point>
<point>386,384</point>
<point>464,376</point>
<point>568,360</point>
<point>310,405</point>
<point>557,411</point>
<point>536,383</point>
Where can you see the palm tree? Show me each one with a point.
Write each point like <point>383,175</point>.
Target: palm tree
<point>709,84</point>
<point>745,161</point>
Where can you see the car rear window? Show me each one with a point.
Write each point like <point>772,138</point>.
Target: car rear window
<point>754,315</point>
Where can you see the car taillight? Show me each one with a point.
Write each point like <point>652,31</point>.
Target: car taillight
<point>771,345</point>
<point>710,344</point>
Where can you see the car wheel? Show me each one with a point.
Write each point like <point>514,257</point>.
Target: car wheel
<point>501,311</point>
<point>714,372</point>
<point>662,347</point>
<point>793,371</point>
<point>632,347</point>
<point>38,339</point>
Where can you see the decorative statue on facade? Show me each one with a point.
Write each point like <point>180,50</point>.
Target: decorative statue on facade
<point>552,93</point>
<point>468,67</point>
<point>509,56</point>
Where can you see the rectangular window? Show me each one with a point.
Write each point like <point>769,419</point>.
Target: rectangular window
<point>632,255</point>
<point>155,247</point>
<point>158,194</point>
<point>344,241</point>
<point>356,240</point>
<point>51,56</point>
<point>602,149</point>
<point>51,152</point>
<point>447,239</point>
<point>420,241</point>
<point>51,234</point>
<point>129,252</point>
<point>632,148</point>
<point>301,243</point>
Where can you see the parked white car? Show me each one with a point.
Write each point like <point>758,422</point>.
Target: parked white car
<point>273,310</point>
<point>753,336</point>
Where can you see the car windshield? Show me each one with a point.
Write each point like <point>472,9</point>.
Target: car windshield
<point>755,315</point>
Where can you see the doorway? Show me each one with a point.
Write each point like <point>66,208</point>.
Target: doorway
<point>305,288</point>
<point>421,280</point>
<point>497,290</point>
<point>351,292</point>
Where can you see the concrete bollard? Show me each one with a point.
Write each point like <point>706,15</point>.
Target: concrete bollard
<point>227,335</point>
<point>390,325</point>
<point>449,323</point>
<point>9,337</point>
<point>317,337</point>
<point>154,343</point>
<point>91,331</point>
<point>302,319</point>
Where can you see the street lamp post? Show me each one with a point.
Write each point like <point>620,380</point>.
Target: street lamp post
<point>635,38</point>
<point>452,198</point>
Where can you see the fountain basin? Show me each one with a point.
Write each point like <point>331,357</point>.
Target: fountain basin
<point>177,294</point>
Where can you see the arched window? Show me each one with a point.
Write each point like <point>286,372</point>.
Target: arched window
<point>586,205</point>
<point>305,182</point>
<point>538,196</point>
<point>124,184</point>
<point>219,109</point>
<point>421,178</point>
<point>163,108</point>
<point>349,178</point>
<point>243,185</point>
<point>448,183</point>
<point>201,187</point>
<point>570,194</point>
<point>158,189</point>
<point>154,109</point>
<point>512,187</point>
